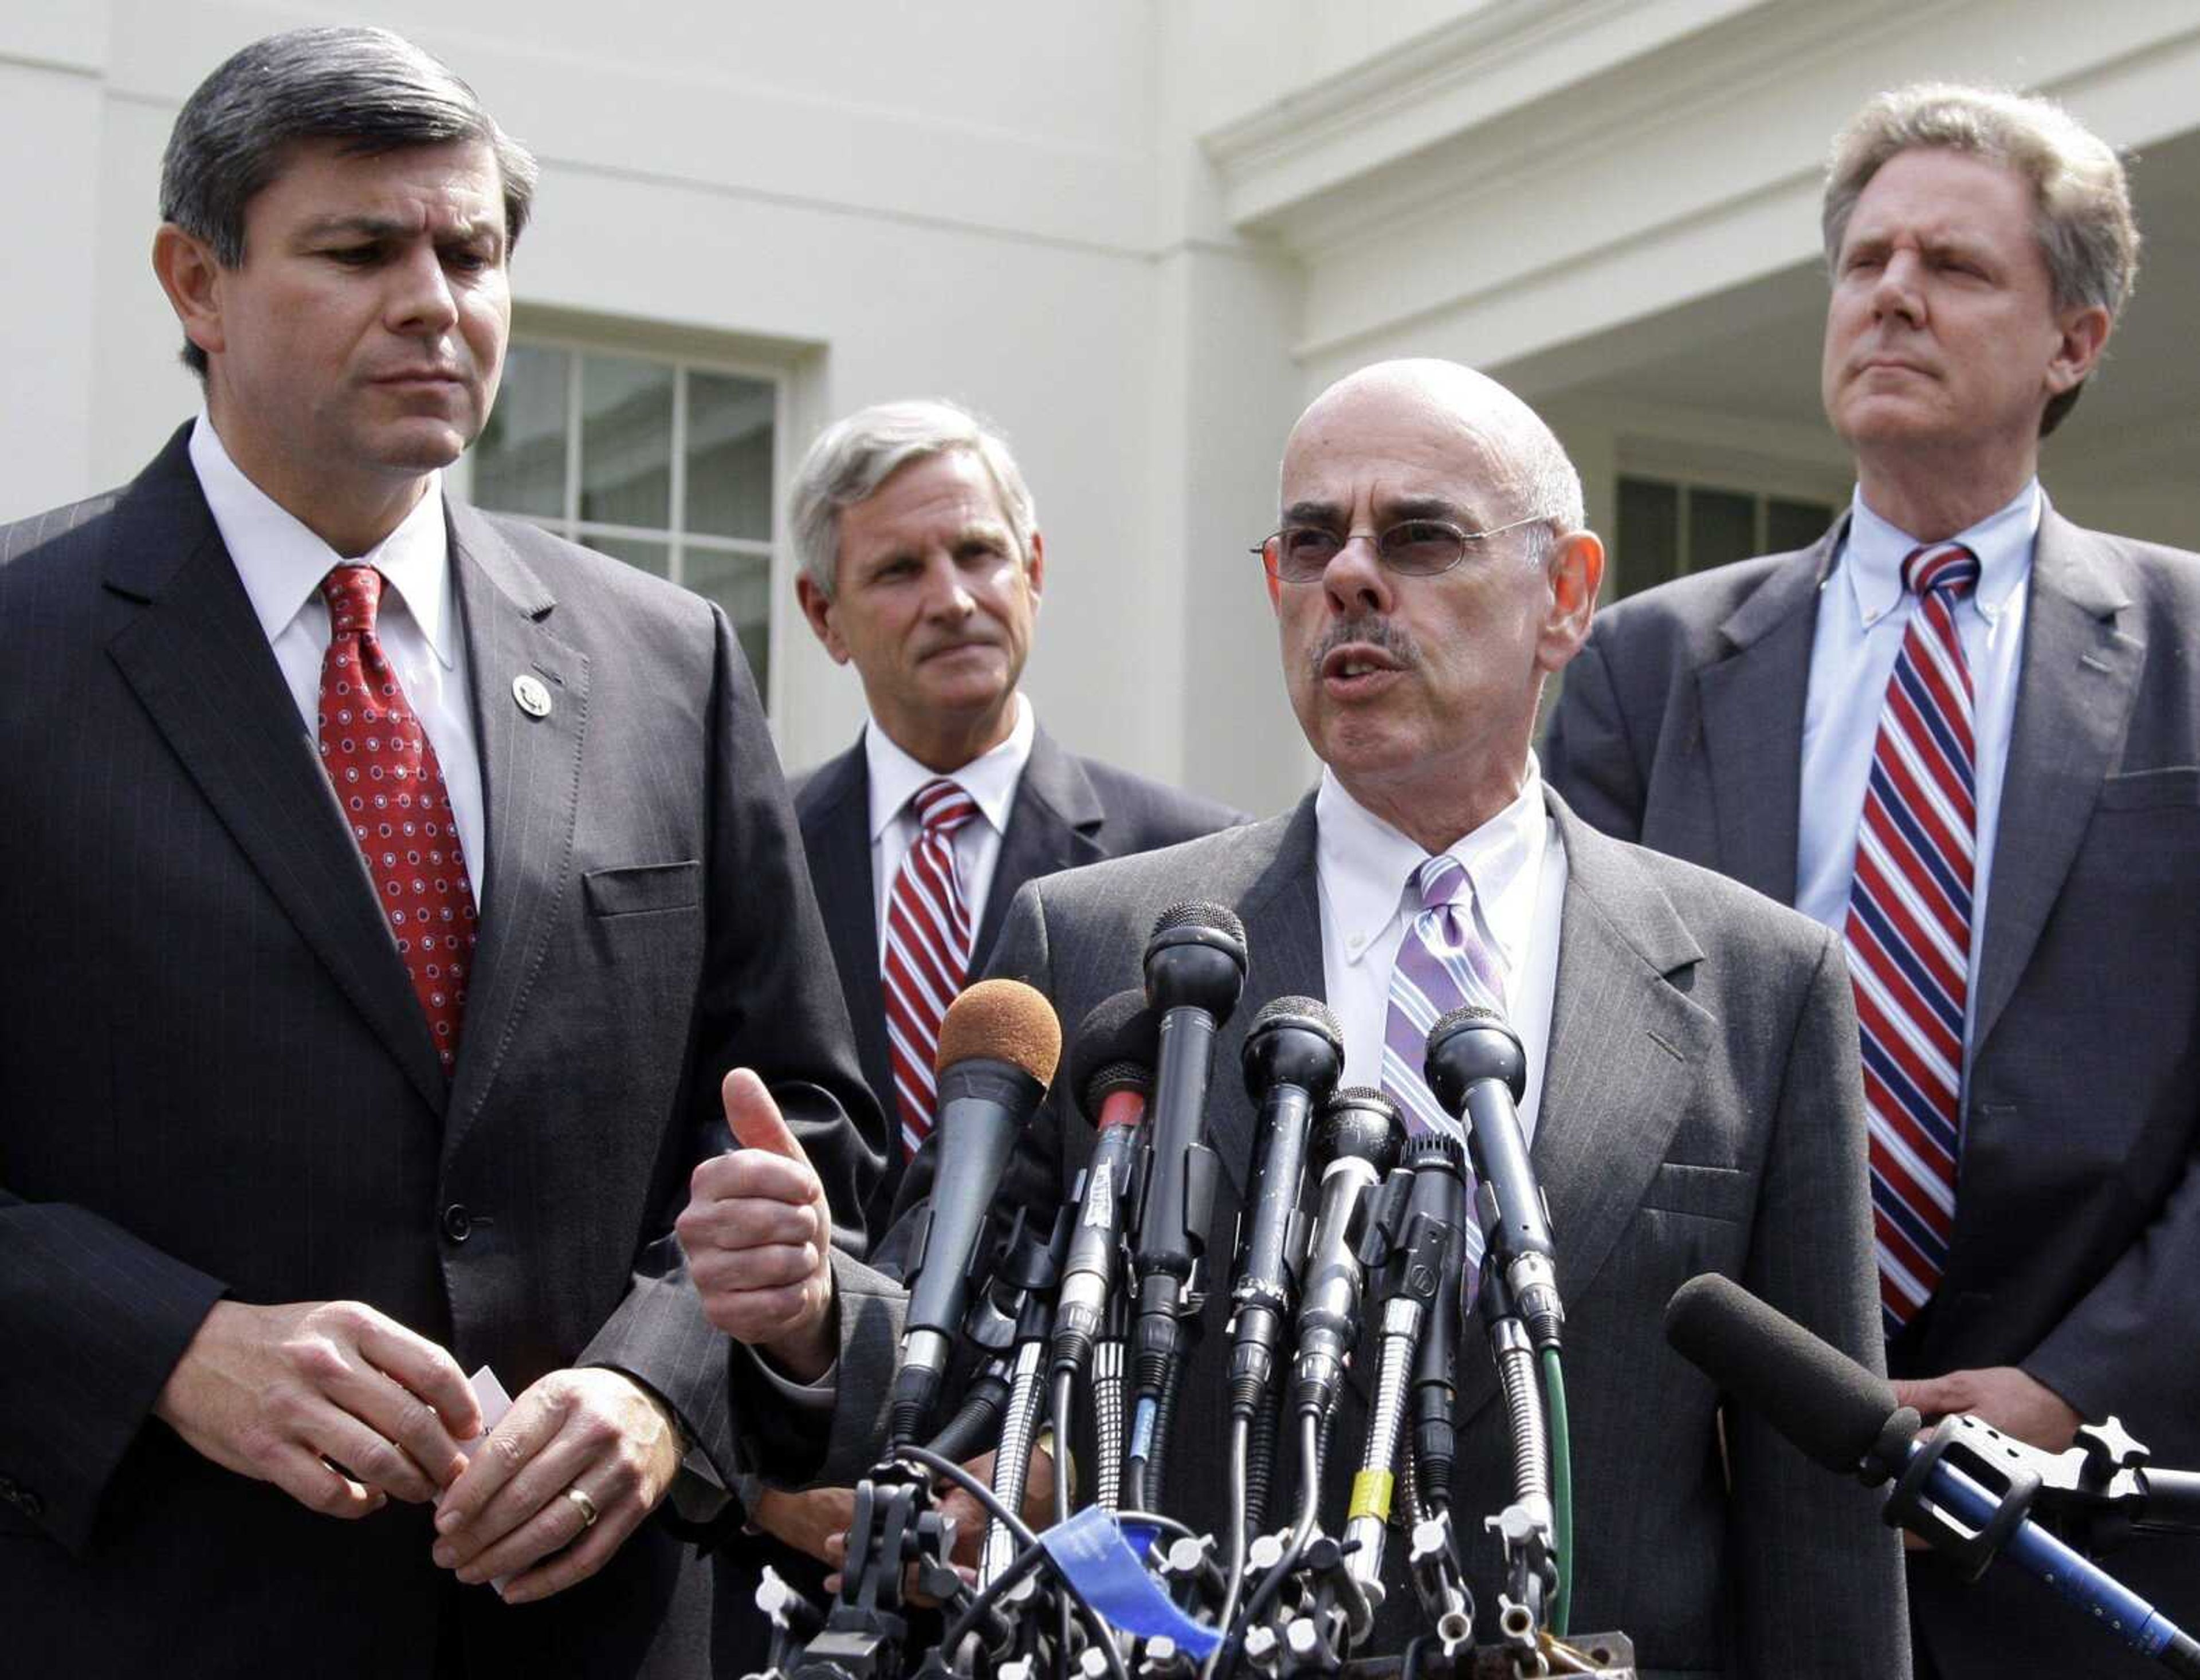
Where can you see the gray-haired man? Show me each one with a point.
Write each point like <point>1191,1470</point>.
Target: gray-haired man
<point>381,928</point>
<point>922,564</point>
<point>1962,731</point>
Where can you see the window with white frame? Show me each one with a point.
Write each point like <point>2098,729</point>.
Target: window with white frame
<point>662,463</point>
<point>1668,528</point>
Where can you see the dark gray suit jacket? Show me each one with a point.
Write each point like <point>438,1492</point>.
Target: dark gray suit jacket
<point>1701,1112</point>
<point>216,1080</point>
<point>1069,811</point>
<point>2077,1235</point>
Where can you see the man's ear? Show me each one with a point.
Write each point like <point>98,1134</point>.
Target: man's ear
<point>184,265</point>
<point>817,608</point>
<point>1576,568</point>
<point>1035,568</point>
<point>2085,335</point>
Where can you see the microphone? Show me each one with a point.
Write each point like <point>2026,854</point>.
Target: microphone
<point>1436,1391</point>
<point>998,1044</point>
<point>1842,1416</point>
<point>1356,1144</point>
<point>1293,1057</point>
<point>1195,970</point>
<point>1477,1069</point>
<point>1111,1069</point>
<point>1424,1253</point>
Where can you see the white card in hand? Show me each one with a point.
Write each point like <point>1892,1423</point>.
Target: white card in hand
<point>495,1402</point>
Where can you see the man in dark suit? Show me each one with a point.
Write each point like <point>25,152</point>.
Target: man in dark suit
<point>1691,1100</point>
<point>1980,246</point>
<point>389,889</point>
<point>922,564</point>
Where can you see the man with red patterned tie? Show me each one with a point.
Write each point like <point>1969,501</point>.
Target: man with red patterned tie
<point>389,888</point>
<point>1962,732</point>
<point>922,565</point>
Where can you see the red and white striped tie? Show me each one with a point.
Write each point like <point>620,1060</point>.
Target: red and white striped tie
<point>1910,932</point>
<point>928,955</point>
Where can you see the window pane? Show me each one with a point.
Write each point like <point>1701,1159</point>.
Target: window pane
<point>741,583</point>
<point>1721,527</point>
<point>729,422</point>
<point>519,459</point>
<point>626,441</point>
<point>654,557</point>
<point>1794,524</point>
<point>1649,547</point>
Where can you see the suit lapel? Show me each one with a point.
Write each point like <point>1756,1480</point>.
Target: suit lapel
<point>200,664</point>
<point>2078,676</point>
<point>531,787</point>
<point>836,829</point>
<point>1053,825</point>
<point>1282,914</point>
<point>1752,720</point>
<point>1625,1045</point>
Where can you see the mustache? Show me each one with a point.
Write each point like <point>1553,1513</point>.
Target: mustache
<point>1372,630</point>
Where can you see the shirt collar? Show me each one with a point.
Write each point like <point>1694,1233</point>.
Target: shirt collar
<point>281,562</point>
<point>990,778</point>
<point>1872,556</point>
<point>1364,864</point>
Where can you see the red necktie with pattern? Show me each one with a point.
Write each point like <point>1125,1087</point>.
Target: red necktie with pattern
<point>928,955</point>
<point>1910,932</point>
<point>392,791</point>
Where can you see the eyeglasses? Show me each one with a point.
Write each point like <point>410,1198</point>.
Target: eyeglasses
<point>1411,548</point>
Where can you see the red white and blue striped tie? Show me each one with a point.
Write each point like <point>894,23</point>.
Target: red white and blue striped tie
<point>1910,932</point>
<point>1442,965</point>
<point>927,954</point>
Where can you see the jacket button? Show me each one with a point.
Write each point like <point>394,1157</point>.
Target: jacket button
<point>458,1223</point>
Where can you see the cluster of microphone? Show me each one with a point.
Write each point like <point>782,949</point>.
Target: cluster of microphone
<point>1089,1322</point>
<point>1088,1316</point>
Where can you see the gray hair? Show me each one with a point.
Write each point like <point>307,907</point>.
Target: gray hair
<point>1549,485</point>
<point>852,457</point>
<point>2080,197</point>
<point>370,89</point>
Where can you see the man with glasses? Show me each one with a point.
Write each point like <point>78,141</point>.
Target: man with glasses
<point>1691,1095</point>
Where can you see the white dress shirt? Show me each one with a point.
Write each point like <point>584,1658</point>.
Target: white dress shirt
<point>1861,623</point>
<point>282,564</point>
<point>989,779</point>
<point>1518,866</point>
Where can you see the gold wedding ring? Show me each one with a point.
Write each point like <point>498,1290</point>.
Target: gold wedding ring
<point>584,1505</point>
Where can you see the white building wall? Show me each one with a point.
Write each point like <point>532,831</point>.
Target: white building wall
<point>1140,237</point>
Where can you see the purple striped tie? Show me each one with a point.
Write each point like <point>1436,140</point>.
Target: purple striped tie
<point>928,955</point>
<point>1441,966</point>
<point>1910,932</point>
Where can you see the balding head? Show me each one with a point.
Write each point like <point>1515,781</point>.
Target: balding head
<point>1431,574</point>
<point>1524,458</point>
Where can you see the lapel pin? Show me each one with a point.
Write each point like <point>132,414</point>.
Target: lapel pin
<point>533,698</point>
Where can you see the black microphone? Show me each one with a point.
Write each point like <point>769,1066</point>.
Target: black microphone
<point>1435,1389</point>
<point>1195,969</point>
<point>1476,1070</point>
<point>1843,1417</point>
<point>1111,1069</point>
<point>1423,1254</point>
<point>1293,1057</point>
<point>1355,1144</point>
<point>998,1044</point>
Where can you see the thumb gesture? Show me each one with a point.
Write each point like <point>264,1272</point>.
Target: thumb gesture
<point>757,1232</point>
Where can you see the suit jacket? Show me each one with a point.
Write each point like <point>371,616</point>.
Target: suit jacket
<point>216,1080</point>
<point>2077,1231</point>
<point>1701,1112</point>
<point>1069,812</point>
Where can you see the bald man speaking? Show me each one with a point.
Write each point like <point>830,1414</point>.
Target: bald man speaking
<point>1692,1098</point>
